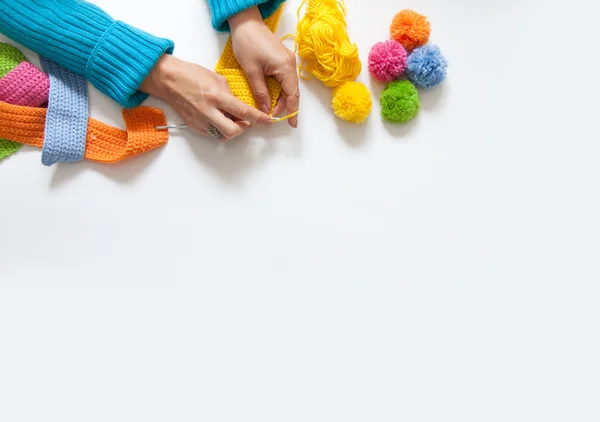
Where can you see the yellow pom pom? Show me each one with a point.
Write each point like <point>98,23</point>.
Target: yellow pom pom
<point>352,102</point>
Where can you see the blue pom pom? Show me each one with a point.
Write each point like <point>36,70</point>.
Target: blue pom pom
<point>426,66</point>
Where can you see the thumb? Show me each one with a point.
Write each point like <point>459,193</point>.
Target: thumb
<point>258,84</point>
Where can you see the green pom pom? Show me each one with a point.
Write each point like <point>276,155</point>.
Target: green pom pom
<point>10,57</point>
<point>399,102</point>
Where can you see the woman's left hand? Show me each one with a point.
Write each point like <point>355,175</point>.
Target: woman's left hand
<point>260,53</point>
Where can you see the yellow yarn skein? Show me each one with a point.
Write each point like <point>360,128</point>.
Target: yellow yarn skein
<point>323,45</point>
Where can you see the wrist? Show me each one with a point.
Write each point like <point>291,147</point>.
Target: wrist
<point>250,15</point>
<point>159,77</point>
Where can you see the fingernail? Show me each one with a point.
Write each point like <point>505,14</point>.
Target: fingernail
<point>265,109</point>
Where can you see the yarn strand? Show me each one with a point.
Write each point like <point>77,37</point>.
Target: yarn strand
<point>323,45</point>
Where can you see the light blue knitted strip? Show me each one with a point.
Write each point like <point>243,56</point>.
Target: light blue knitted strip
<point>67,116</point>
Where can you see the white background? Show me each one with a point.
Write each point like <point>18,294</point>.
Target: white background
<point>446,270</point>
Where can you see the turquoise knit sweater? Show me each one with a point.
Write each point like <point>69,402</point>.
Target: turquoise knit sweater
<point>113,56</point>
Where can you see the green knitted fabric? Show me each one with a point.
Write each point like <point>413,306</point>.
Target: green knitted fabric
<point>8,147</point>
<point>399,102</point>
<point>10,58</point>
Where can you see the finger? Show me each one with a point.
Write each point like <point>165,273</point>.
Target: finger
<point>279,107</point>
<point>201,126</point>
<point>290,86</point>
<point>243,124</point>
<point>228,128</point>
<point>243,111</point>
<point>198,126</point>
<point>259,88</point>
<point>232,117</point>
<point>204,130</point>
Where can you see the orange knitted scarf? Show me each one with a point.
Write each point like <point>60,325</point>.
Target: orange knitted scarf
<point>105,144</point>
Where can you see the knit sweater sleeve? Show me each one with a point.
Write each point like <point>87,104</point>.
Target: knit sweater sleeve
<point>222,10</point>
<point>113,56</point>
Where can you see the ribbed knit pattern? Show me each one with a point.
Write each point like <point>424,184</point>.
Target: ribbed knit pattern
<point>229,67</point>
<point>25,85</point>
<point>222,10</point>
<point>113,56</point>
<point>105,144</point>
<point>67,116</point>
<point>12,75</point>
<point>8,148</point>
<point>10,57</point>
<point>26,125</point>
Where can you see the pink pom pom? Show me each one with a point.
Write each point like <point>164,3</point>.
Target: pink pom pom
<point>387,60</point>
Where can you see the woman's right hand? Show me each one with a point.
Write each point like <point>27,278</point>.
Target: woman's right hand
<point>201,97</point>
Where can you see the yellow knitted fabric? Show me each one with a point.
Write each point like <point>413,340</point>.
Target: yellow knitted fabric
<point>231,70</point>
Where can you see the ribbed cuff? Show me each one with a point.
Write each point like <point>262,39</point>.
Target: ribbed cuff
<point>121,61</point>
<point>222,10</point>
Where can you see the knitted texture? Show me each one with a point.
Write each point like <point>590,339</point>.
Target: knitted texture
<point>105,144</point>
<point>25,85</point>
<point>236,78</point>
<point>10,57</point>
<point>8,148</point>
<point>25,124</point>
<point>67,116</point>
<point>222,10</point>
<point>113,56</point>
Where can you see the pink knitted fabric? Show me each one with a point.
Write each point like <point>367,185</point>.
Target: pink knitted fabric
<point>25,85</point>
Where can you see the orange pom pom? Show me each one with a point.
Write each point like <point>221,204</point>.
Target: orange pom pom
<point>410,29</point>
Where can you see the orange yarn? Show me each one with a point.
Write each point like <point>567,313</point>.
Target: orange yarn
<point>410,29</point>
<point>104,144</point>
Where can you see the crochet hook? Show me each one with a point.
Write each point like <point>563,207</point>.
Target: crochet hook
<point>183,126</point>
<point>171,127</point>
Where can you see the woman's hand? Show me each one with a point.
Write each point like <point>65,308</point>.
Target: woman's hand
<point>201,98</point>
<point>260,53</point>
